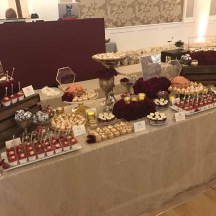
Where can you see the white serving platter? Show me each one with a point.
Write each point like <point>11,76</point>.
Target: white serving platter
<point>4,156</point>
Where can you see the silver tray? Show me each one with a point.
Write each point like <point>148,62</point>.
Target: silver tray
<point>192,112</point>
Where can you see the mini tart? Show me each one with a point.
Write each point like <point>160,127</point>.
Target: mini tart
<point>105,117</point>
<point>117,133</point>
<point>161,103</point>
<point>157,118</point>
<point>66,121</point>
<point>111,131</point>
<point>98,138</point>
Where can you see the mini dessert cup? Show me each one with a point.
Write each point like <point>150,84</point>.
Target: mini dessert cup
<point>66,146</point>
<point>31,155</point>
<point>13,99</point>
<point>211,105</point>
<point>22,157</point>
<point>49,150</point>
<point>39,149</point>
<point>40,153</point>
<point>74,143</point>
<point>65,142</point>
<point>12,160</point>
<point>12,157</point>
<point>58,147</point>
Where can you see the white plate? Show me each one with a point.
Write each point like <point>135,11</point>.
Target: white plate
<point>161,108</point>
<point>4,156</point>
<point>84,101</point>
<point>156,124</point>
<point>188,113</point>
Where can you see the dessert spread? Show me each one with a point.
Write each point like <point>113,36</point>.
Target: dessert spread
<point>191,88</point>
<point>76,93</point>
<point>37,149</point>
<point>109,56</point>
<point>196,103</point>
<point>65,122</point>
<point>21,115</point>
<point>156,118</point>
<point>111,131</point>
<point>161,103</point>
<point>105,117</point>
<point>40,117</point>
<point>180,82</point>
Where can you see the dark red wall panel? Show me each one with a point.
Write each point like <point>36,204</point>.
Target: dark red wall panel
<point>38,49</point>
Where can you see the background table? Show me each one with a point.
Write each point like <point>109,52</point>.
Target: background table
<point>124,176</point>
<point>174,54</point>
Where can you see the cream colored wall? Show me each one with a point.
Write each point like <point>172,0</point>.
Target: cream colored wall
<point>3,7</point>
<point>46,9</point>
<point>119,13</point>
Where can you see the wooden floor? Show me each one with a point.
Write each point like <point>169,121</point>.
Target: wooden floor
<point>199,201</point>
<point>202,205</point>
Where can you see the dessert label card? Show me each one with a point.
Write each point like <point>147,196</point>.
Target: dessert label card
<point>180,116</point>
<point>28,91</point>
<point>79,130</point>
<point>13,143</point>
<point>139,126</point>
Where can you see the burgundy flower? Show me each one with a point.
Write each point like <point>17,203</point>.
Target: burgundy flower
<point>124,80</point>
<point>134,110</point>
<point>151,86</point>
<point>91,139</point>
<point>67,96</point>
<point>106,73</point>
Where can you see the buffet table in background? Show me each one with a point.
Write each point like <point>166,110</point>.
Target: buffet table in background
<point>135,69</point>
<point>123,176</point>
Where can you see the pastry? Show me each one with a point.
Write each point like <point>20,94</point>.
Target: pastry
<point>111,131</point>
<point>161,103</point>
<point>156,118</point>
<point>76,93</point>
<point>65,122</point>
<point>105,117</point>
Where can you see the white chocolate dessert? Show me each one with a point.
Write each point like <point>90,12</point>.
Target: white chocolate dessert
<point>105,117</point>
<point>65,122</point>
<point>87,95</point>
<point>161,103</point>
<point>192,88</point>
<point>109,56</point>
<point>111,131</point>
<point>156,118</point>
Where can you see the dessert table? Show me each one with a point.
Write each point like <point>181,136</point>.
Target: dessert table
<point>135,69</point>
<point>123,176</point>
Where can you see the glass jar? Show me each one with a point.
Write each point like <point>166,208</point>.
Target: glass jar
<point>92,120</point>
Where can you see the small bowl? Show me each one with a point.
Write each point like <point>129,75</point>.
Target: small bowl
<point>194,63</point>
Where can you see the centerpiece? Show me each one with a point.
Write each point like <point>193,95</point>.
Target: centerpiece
<point>106,78</point>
